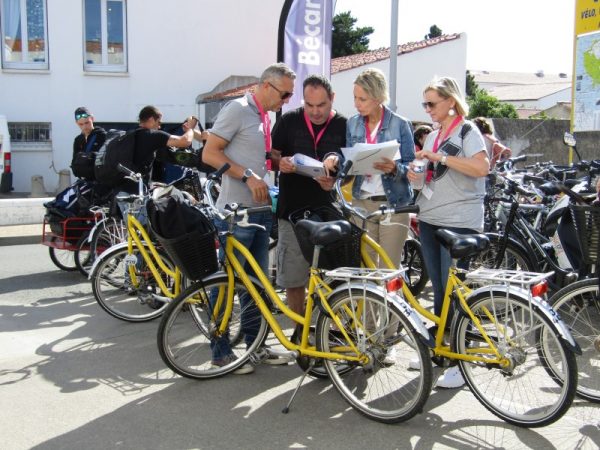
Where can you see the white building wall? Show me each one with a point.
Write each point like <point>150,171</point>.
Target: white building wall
<point>544,102</point>
<point>415,71</point>
<point>176,50</point>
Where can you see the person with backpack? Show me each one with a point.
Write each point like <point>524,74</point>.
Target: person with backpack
<point>86,144</point>
<point>146,141</point>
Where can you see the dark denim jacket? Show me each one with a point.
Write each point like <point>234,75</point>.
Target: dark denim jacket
<point>397,188</point>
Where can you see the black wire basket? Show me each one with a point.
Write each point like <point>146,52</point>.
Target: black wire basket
<point>195,253</point>
<point>587,223</point>
<point>343,253</point>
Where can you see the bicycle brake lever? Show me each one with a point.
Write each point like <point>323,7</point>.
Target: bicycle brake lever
<point>245,224</point>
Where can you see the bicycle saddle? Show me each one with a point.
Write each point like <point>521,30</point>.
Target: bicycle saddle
<point>323,233</point>
<point>462,245</point>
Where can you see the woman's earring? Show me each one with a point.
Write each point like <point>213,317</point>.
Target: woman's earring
<point>451,112</point>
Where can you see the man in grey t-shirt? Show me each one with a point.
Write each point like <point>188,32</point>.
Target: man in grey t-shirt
<point>241,136</point>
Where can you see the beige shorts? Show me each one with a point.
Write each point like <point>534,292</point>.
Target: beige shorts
<point>292,269</point>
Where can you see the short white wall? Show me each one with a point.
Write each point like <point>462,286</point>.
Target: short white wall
<point>22,211</point>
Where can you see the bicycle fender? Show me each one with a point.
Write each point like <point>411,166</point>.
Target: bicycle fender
<point>413,317</point>
<point>541,306</point>
<point>403,307</point>
<point>103,256</point>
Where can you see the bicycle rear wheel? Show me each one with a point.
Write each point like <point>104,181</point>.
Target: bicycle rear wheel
<point>578,305</point>
<point>116,292</point>
<point>63,259</point>
<point>523,393</point>
<point>188,332</point>
<point>381,387</point>
<point>412,261</point>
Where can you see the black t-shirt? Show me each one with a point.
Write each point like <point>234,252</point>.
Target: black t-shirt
<point>290,136</point>
<point>80,143</point>
<point>147,143</point>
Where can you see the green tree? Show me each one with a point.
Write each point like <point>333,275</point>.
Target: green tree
<point>486,105</point>
<point>472,86</point>
<point>434,32</point>
<point>346,39</point>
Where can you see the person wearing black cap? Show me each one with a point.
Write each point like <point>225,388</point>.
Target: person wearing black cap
<point>89,141</point>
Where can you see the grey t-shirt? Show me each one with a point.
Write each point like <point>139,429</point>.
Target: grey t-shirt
<point>457,199</point>
<point>240,124</point>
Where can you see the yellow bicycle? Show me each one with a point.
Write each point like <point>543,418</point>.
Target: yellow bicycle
<point>359,324</point>
<point>514,352</point>
<point>135,280</point>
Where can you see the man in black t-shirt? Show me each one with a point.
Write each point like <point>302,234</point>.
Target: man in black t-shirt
<point>315,130</point>
<point>149,139</point>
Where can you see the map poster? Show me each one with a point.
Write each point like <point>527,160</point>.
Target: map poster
<point>586,73</point>
<point>587,83</point>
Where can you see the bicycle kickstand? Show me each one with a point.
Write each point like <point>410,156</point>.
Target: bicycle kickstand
<point>289,403</point>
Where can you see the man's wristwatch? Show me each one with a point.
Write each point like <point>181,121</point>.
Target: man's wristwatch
<point>443,160</point>
<point>247,174</point>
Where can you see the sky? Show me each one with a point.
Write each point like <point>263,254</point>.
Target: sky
<point>502,35</point>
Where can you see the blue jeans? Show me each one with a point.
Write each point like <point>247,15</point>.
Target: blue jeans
<point>257,242</point>
<point>438,260</point>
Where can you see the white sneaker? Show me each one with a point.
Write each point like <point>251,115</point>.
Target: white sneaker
<point>390,357</point>
<point>414,364</point>
<point>451,379</point>
<point>262,355</point>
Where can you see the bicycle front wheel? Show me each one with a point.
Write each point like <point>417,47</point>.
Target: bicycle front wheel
<point>523,392</point>
<point>132,300</point>
<point>188,338</point>
<point>578,305</point>
<point>380,386</point>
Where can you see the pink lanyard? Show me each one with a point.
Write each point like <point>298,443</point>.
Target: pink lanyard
<point>312,131</point>
<point>370,139</point>
<point>437,142</point>
<point>266,123</point>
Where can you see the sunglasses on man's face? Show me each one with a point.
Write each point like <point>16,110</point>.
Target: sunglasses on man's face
<point>81,116</point>
<point>284,95</point>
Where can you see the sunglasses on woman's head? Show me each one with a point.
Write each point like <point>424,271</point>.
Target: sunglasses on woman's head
<point>81,116</point>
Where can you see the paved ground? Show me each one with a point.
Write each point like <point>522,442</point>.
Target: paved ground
<point>72,377</point>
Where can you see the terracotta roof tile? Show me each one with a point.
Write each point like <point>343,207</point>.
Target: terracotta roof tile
<point>352,61</point>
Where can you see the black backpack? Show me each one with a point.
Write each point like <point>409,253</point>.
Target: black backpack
<point>119,148</point>
<point>83,162</point>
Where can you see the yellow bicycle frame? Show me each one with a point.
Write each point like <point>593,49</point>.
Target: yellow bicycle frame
<point>454,285</point>
<point>138,236</point>
<point>233,266</point>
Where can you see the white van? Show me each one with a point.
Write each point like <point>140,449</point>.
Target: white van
<point>5,166</point>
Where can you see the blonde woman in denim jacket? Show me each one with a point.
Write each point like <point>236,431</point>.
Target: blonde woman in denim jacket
<point>375,122</point>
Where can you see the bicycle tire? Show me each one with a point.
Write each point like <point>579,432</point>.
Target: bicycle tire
<point>383,389</point>
<point>414,263</point>
<point>523,394</point>
<point>63,259</point>
<point>578,305</point>
<point>108,233</point>
<point>83,255</point>
<point>115,293</point>
<point>185,330</point>
<point>515,258</point>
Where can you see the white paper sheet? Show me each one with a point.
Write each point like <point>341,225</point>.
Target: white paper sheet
<point>364,156</point>
<point>307,166</point>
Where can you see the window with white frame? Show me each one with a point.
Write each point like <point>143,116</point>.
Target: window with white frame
<point>24,34</point>
<point>105,35</point>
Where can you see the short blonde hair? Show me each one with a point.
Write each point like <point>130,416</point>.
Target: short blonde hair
<point>447,87</point>
<point>374,84</point>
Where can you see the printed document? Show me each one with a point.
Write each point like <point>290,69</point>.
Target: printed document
<point>364,156</point>
<point>307,166</point>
